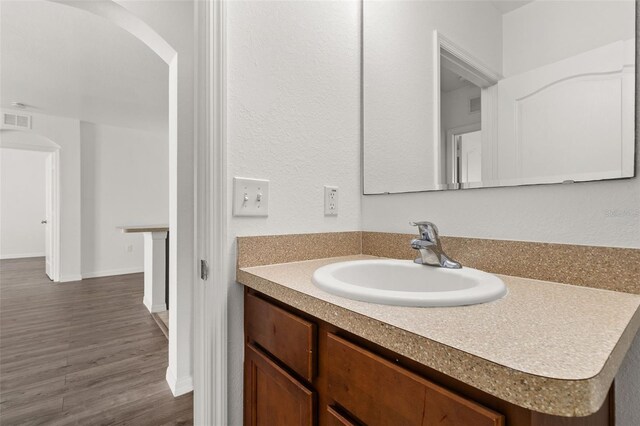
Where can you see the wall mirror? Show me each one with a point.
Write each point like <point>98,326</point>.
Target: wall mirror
<point>470,94</point>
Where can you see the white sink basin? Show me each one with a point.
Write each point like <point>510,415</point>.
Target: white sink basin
<point>404,283</point>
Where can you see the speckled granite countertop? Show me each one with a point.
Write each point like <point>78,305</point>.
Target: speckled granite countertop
<point>548,347</point>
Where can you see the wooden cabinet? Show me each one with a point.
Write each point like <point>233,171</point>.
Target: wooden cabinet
<point>302,371</point>
<point>272,396</point>
<point>334,418</point>
<point>287,337</point>
<point>377,391</point>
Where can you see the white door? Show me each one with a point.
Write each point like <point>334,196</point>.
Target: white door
<point>48,219</point>
<point>470,157</point>
<point>569,120</point>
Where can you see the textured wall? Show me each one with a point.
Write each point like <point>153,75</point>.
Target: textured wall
<point>594,213</point>
<point>293,118</point>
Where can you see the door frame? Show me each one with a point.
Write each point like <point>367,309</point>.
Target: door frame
<point>448,53</point>
<point>52,190</point>
<point>210,293</point>
<point>452,151</point>
<point>54,152</point>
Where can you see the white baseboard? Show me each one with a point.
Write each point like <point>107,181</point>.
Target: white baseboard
<point>179,386</point>
<point>21,256</point>
<point>154,308</point>
<point>69,278</point>
<point>113,272</point>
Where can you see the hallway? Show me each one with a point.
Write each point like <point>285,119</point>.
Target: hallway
<point>84,352</point>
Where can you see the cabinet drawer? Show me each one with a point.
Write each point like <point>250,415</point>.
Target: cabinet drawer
<point>379,392</point>
<point>273,396</point>
<point>334,418</point>
<point>285,336</point>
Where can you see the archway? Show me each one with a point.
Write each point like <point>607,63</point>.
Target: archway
<point>179,353</point>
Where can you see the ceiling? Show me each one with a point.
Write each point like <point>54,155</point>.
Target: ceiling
<point>506,6</point>
<point>451,81</point>
<point>63,61</point>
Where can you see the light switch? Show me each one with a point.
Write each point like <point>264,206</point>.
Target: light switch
<point>250,197</point>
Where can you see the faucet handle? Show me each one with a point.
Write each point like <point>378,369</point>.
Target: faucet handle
<point>428,230</point>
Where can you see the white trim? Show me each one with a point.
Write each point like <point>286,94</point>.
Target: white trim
<point>179,387</point>
<point>29,147</point>
<point>54,149</point>
<point>154,308</point>
<point>70,278</point>
<point>20,256</point>
<point>56,255</point>
<point>112,272</point>
<point>473,70</point>
<point>465,63</point>
<point>437,142</point>
<point>452,149</point>
<point>56,252</point>
<point>118,15</point>
<point>210,297</point>
<point>489,124</point>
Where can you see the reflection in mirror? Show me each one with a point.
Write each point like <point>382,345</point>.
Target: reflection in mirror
<point>466,94</point>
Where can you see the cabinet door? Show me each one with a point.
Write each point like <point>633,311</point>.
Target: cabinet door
<point>379,392</point>
<point>336,419</point>
<point>273,396</point>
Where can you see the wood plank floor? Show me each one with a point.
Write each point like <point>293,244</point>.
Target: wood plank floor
<point>85,352</point>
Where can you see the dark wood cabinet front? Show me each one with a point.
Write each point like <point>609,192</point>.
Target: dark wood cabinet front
<point>273,396</point>
<point>334,418</point>
<point>287,337</point>
<point>302,371</point>
<point>378,392</point>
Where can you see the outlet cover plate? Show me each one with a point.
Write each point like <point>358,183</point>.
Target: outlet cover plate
<point>250,197</point>
<point>330,200</point>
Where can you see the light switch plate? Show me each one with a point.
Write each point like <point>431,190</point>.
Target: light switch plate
<point>250,197</point>
<point>330,200</point>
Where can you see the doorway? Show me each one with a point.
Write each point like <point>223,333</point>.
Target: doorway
<point>30,195</point>
<point>163,39</point>
<point>464,91</point>
<point>166,29</point>
<point>465,150</point>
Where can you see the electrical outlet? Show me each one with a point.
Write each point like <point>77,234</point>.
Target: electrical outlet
<point>330,200</point>
<point>250,197</point>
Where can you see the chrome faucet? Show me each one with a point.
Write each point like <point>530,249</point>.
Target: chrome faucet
<point>429,247</point>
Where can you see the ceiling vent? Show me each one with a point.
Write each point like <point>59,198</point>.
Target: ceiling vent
<point>16,121</point>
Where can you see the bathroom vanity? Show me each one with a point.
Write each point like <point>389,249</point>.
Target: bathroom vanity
<point>301,370</point>
<point>545,354</point>
<point>459,96</point>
